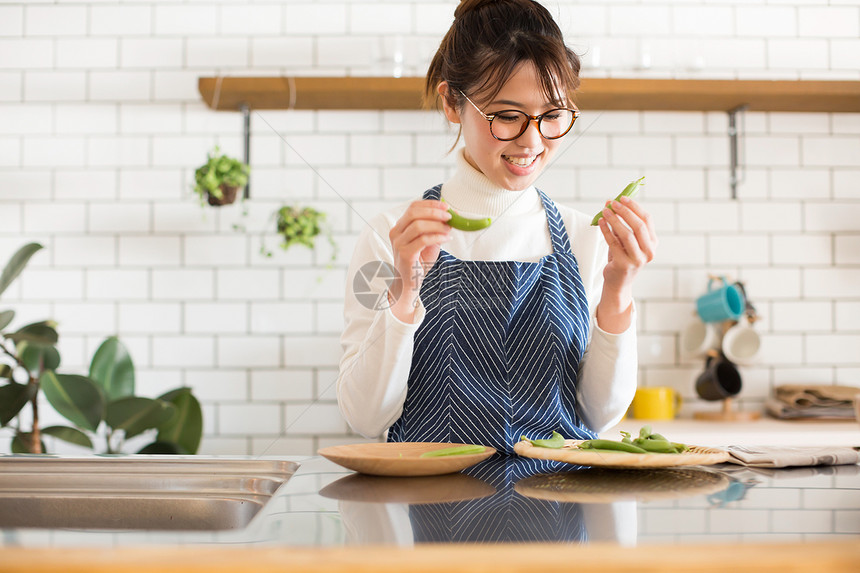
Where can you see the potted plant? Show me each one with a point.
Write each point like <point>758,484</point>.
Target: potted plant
<point>301,226</point>
<point>220,179</point>
<point>101,404</point>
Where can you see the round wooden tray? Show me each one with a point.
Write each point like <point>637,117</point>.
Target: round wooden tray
<point>569,453</point>
<point>606,485</point>
<point>401,458</point>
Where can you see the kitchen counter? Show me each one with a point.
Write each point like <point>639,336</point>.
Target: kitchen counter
<point>502,515</point>
<point>761,432</point>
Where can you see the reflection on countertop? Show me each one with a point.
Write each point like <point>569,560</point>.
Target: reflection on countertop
<point>512,499</point>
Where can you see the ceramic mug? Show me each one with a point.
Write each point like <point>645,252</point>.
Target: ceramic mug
<point>741,342</point>
<point>656,403</point>
<point>720,380</point>
<point>698,337</point>
<point>719,304</point>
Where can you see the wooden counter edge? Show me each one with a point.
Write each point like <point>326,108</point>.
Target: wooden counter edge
<point>824,556</point>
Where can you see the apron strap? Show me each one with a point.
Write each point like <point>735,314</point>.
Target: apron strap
<point>434,193</point>
<point>557,230</point>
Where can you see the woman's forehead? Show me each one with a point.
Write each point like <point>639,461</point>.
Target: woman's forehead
<point>524,85</point>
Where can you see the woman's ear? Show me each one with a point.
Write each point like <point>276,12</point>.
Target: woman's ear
<point>450,112</point>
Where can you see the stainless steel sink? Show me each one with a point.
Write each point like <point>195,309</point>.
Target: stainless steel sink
<point>136,492</point>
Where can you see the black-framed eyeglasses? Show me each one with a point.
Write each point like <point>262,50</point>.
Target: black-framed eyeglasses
<point>509,124</point>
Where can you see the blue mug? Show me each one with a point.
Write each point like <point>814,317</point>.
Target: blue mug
<point>719,304</point>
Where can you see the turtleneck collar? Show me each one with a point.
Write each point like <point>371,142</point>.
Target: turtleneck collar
<point>470,191</point>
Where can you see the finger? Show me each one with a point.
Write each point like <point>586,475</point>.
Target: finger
<point>625,237</point>
<point>420,227</point>
<point>637,208</point>
<point>638,227</point>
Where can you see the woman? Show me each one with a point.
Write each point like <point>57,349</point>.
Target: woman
<point>521,328</point>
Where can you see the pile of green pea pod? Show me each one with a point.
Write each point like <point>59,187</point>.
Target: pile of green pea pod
<point>647,443</point>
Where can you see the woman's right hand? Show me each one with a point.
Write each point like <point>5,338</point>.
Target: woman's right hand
<point>415,240</point>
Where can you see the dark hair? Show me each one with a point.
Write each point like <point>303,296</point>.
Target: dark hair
<point>486,43</point>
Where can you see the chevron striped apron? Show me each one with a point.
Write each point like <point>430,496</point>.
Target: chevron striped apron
<point>498,351</point>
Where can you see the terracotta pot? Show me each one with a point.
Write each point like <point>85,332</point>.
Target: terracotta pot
<point>229,196</point>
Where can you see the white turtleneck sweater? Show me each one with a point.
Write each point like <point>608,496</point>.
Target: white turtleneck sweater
<point>374,369</point>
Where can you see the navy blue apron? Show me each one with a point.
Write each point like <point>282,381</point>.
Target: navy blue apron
<point>498,351</point>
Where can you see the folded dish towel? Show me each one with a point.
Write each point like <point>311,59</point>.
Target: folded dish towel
<point>812,401</point>
<point>783,457</point>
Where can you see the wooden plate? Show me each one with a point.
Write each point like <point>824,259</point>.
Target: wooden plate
<point>401,458</point>
<point>412,490</point>
<point>606,485</point>
<point>569,453</point>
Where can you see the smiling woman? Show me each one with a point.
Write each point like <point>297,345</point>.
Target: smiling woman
<point>521,327</point>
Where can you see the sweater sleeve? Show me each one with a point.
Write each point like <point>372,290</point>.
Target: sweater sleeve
<point>608,368</point>
<point>377,347</point>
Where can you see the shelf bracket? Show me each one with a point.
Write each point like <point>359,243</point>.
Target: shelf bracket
<point>734,180</point>
<point>246,142</point>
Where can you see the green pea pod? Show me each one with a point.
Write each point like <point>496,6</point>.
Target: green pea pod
<point>454,451</point>
<point>555,442</point>
<point>658,446</point>
<point>465,224</point>
<point>600,444</point>
<point>630,191</point>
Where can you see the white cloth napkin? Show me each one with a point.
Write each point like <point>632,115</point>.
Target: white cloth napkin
<point>782,457</point>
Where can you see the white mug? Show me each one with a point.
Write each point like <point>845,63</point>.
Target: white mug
<point>698,337</point>
<point>741,342</point>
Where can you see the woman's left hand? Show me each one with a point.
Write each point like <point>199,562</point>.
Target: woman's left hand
<point>629,232</point>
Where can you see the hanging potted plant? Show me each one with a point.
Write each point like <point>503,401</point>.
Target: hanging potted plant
<point>301,226</point>
<point>220,179</point>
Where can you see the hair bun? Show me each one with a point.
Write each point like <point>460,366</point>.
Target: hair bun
<point>467,6</point>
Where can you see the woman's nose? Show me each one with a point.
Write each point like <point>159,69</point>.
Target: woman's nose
<point>531,136</point>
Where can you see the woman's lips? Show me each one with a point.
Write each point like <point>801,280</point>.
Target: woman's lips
<point>521,165</point>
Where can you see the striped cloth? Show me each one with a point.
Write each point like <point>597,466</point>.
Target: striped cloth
<point>498,351</point>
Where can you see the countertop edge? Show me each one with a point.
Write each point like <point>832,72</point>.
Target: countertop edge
<point>819,556</point>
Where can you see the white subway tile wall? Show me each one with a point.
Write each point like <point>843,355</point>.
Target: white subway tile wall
<point>101,128</point>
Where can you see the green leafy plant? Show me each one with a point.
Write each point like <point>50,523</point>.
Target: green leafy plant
<point>301,226</point>
<point>102,403</point>
<point>219,179</point>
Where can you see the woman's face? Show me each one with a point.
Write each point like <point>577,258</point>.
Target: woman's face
<point>511,164</point>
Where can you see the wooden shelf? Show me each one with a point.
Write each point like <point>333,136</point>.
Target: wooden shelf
<point>379,93</point>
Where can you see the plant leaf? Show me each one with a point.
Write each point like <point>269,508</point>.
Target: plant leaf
<point>162,448</point>
<point>6,371</point>
<point>13,398</point>
<point>135,415</point>
<point>6,317</point>
<point>77,398</point>
<point>41,333</point>
<point>113,370</point>
<point>185,428</point>
<point>68,434</point>
<point>21,443</point>
<point>16,264</point>
<point>34,356</point>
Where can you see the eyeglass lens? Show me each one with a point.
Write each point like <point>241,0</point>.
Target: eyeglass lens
<point>508,125</point>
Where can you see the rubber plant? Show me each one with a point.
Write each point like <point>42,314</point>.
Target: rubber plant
<point>219,180</point>
<point>100,404</point>
<point>301,226</point>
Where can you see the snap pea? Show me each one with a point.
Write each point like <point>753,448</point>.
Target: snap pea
<point>647,443</point>
<point>556,441</point>
<point>658,446</point>
<point>454,451</point>
<point>630,191</point>
<point>600,444</point>
<point>465,224</point>
<point>461,223</point>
